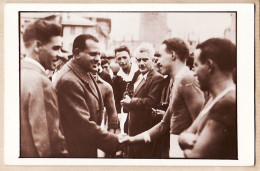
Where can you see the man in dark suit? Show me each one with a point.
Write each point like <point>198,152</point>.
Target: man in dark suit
<point>41,134</point>
<point>146,95</point>
<point>81,102</point>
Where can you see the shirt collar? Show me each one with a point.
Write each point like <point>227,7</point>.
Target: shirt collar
<point>28,59</point>
<point>145,75</point>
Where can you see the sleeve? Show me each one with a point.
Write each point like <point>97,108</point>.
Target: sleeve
<point>76,111</point>
<point>38,123</point>
<point>45,125</point>
<point>109,103</point>
<point>193,96</point>
<point>162,127</point>
<point>153,97</point>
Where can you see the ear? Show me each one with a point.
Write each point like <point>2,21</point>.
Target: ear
<point>37,45</point>
<point>210,65</point>
<point>174,56</point>
<point>76,53</point>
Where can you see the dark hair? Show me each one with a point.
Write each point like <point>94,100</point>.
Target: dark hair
<point>41,30</point>
<point>178,46</point>
<point>157,54</point>
<point>122,48</point>
<point>221,51</point>
<point>80,41</point>
<point>103,62</point>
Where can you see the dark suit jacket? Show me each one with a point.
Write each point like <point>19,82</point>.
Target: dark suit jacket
<point>81,113</point>
<point>145,97</point>
<point>41,134</point>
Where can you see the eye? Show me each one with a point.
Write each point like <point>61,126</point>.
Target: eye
<point>56,47</point>
<point>138,60</point>
<point>94,53</point>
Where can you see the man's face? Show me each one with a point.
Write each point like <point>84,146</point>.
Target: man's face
<point>144,62</point>
<point>105,67</point>
<point>165,60</point>
<point>200,71</point>
<point>48,53</point>
<point>123,59</point>
<point>89,57</point>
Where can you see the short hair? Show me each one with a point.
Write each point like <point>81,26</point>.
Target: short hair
<point>80,42</point>
<point>103,62</point>
<point>122,48</point>
<point>41,30</point>
<point>178,46</point>
<point>145,47</point>
<point>221,51</point>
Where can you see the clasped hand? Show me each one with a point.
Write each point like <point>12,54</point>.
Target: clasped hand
<point>125,102</point>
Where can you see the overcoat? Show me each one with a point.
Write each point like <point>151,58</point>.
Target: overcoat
<point>81,109</point>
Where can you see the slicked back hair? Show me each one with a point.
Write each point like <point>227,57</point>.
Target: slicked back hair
<point>41,30</point>
<point>122,48</point>
<point>178,46</point>
<point>221,51</point>
<point>80,41</point>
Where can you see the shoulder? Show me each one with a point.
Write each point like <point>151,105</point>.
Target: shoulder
<point>224,110</point>
<point>67,78</point>
<point>188,78</point>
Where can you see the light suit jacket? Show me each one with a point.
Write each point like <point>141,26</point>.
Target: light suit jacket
<point>41,134</point>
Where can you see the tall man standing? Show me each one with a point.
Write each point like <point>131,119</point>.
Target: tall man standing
<point>186,99</point>
<point>41,134</point>
<point>146,95</point>
<point>81,102</point>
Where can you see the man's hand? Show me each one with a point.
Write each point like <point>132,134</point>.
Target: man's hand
<point>187,140</point>
<point>125,102</point>
<point>157,112</point>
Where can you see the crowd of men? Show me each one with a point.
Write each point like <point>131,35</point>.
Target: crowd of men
<point>179,105</point>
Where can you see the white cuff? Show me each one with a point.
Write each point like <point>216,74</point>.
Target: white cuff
<point>147,137</point>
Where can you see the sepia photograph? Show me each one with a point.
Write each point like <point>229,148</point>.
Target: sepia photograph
<point>122,85</point>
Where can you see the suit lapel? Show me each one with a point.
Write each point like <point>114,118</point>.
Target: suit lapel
<point>143,82</point>
<point>139,86</point>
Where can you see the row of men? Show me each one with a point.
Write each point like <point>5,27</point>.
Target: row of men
<point>63,118</point>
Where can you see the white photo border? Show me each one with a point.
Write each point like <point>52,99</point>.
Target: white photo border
<point>245,84</point>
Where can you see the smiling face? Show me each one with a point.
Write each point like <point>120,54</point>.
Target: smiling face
<point>123,59</point>
<point>165,60</point>
<point>89,57</point>
<point>144,62</point>
<point>48,53</point>
<point>201,71</point>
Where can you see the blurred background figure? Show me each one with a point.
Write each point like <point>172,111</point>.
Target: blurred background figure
<point>190,61</point>
<point>155,60</point>
<point>106,67</point>
<point>63,58</point>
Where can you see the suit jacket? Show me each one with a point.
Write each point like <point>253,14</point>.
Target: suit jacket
<point>41,134</point>
<point>145,97</point>
<point>81,112</point>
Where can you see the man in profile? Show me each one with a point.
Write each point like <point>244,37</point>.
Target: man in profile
<point>81,102</point>
<point>214,133</point>
<point>41,134</point>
